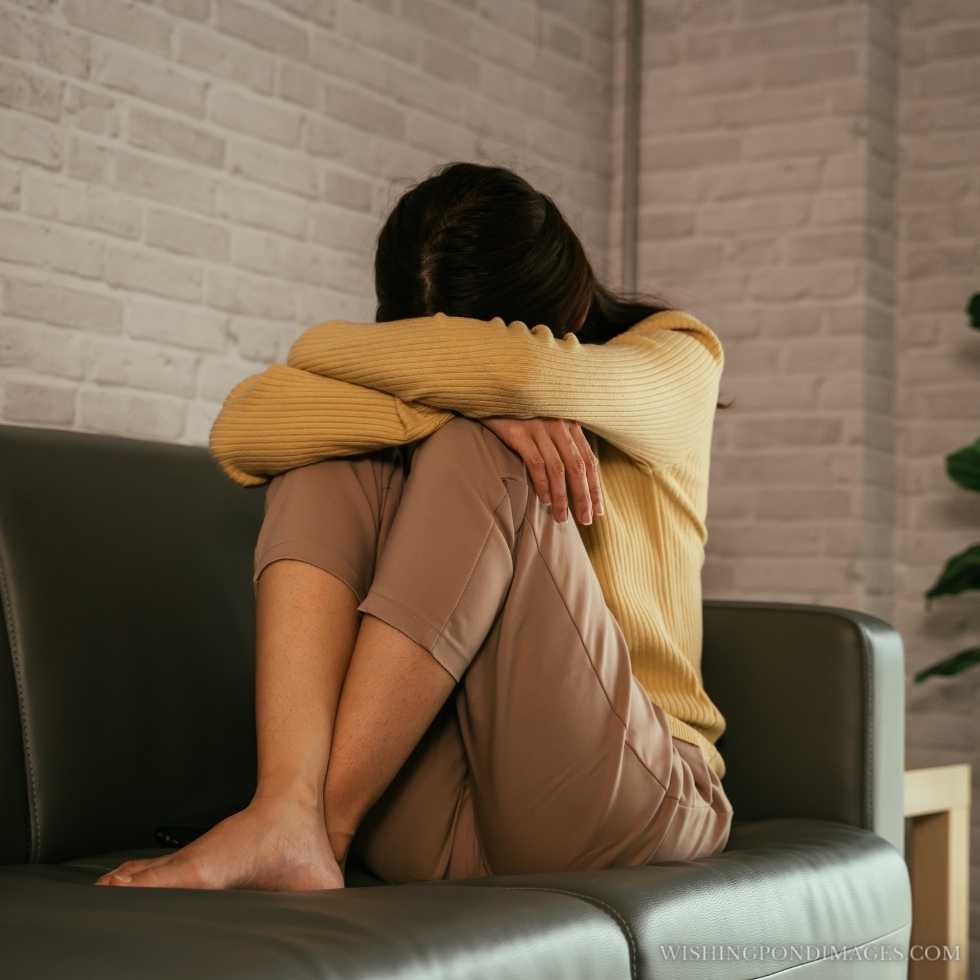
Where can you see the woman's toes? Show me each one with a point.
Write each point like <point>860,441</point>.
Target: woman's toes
<point>170,874</point>
<point>116,871</point>
<point>113,878</point>
<point>123,873</point>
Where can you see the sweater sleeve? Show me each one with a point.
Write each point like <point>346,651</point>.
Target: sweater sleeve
<point>282,417</point>
<point>649,391</point>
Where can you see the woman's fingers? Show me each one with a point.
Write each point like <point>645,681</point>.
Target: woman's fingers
<point>527,448</point>
<point>554,470</point>
<point>591,468</point>
<point>519,435</point>
<point>559,461</point>
<point>566,469</point>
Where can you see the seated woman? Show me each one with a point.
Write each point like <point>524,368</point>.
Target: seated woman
<point>453,679</point>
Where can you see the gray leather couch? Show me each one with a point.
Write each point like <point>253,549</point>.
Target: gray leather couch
<point>126,704</point>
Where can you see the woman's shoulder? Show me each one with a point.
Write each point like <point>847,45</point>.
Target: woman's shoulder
<point>677,320</point>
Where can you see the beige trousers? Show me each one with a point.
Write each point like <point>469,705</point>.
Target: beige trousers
<point>548,755</point>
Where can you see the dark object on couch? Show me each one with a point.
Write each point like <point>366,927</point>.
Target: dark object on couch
<point>126,705</point>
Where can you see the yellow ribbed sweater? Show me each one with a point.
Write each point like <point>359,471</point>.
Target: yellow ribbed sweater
<point>649,394</point>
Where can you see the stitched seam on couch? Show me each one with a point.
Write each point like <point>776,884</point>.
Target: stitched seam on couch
<point>829,956</point>
<point>598,903</point>
<point>34,844</point>
<point>868,679</point>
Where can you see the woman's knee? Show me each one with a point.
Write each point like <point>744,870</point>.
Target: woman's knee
<point>327,514</point>
<point>464,446</point>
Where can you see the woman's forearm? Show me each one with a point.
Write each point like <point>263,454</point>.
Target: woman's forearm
<point>283,417</point>
<point>648,391</point>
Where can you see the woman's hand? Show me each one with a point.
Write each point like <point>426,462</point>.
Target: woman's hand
<point>559,460</point>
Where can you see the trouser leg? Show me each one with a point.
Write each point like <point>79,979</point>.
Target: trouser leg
<point>334,514</point>
<point>558,758</point>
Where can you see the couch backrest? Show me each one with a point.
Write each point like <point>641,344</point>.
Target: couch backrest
<point>127,641</point>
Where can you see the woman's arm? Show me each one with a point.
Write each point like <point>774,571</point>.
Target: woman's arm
<point>282,417</point>
<point>649,391</point>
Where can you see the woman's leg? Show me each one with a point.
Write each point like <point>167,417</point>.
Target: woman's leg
<point>397,783</point>
<point>313,559</point>
<point>549,750</point>
<point>391,696</point>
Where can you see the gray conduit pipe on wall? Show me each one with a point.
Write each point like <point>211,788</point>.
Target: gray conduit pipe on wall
<point>631,138</point>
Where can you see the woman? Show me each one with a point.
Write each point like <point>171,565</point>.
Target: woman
<point>453,679</point>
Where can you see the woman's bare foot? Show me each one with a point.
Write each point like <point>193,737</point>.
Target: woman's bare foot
<point>274,844</point>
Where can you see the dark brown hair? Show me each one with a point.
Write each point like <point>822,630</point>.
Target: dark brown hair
<point>479,241</point>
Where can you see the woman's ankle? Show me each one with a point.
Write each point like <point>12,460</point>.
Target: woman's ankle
<point>340,841</point>
<point>299,792</point>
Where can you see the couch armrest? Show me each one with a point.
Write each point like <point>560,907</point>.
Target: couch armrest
<point>814,698</point>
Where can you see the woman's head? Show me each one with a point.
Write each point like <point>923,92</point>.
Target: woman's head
<point>479,241</point>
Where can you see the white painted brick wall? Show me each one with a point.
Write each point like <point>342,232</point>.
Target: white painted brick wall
<point>811,186</point>
<point>186,185</point>
<point>759,213</point>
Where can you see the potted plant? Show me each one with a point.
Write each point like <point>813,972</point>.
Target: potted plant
<point>961,572</point>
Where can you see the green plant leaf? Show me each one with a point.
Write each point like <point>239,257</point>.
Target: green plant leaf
<point>973,308</point>
<point>954,664</point>
<point>961,573</point>
<point>963,466</point>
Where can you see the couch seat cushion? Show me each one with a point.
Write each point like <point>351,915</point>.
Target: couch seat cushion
<point>778,882</point>
<point>56,923</point>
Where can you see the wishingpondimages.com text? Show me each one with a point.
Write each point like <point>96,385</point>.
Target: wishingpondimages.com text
<point>806,952</point>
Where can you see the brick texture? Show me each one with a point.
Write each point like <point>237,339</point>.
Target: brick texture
<point>186,185</point>
<point>810,186</point>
